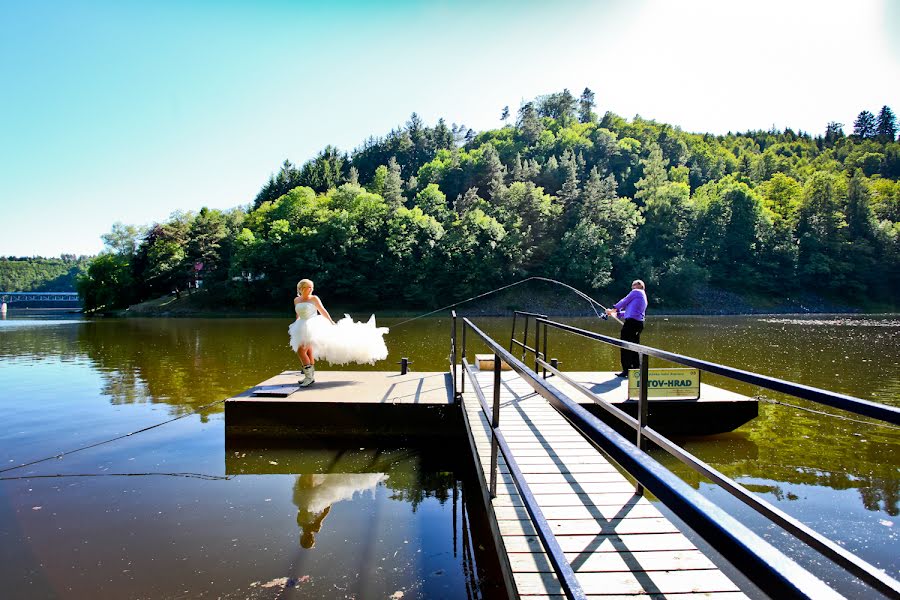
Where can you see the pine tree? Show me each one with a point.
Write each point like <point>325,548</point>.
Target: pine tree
<point>504,116</point>
<point>833,132</point>
<point>529,124</point>
<point>353,178</point>
<point>586,106</point>
<point>494,172</point>
<point>654,174</point>
<point>569,194</point>
<point>864,126</point>
<point>886,127</point>
<point>393,185</point>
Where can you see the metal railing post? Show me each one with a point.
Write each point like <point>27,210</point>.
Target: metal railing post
<point>462,379</point>
<point>524,338</point>
<point>643,410</point>
<point>495,424</point>
<point>544,352</point>
<point>453,355</point>
<point>512,335</point>
<point>537,345</point>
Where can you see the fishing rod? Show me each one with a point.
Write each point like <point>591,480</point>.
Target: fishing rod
<point>581,294</point>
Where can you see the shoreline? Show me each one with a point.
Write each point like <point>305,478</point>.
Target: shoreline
<point>706,302</point>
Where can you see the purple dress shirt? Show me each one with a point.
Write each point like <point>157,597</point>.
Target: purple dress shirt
<point>633,305</point>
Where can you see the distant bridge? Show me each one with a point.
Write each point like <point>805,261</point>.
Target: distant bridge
<point>11,297</point>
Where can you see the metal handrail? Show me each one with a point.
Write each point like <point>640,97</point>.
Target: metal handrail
<point>773,572</point>
<point>567,579</point>
<point>828,548</point>
<point>858,406</point>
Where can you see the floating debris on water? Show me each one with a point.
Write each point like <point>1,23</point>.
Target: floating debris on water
<point>840,321</point>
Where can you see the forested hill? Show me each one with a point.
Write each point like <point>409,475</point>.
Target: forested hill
<point>35,274</point>
<point>429,214</point>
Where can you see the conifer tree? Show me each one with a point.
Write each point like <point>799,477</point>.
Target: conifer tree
<point>886,126</point>
<point>529,124</point>
<point>393,185</point>
<point>586,106</point>
<point>864,126</point>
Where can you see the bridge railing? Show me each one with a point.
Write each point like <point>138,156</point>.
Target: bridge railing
<point>10,297</point>
<point>766,566</point>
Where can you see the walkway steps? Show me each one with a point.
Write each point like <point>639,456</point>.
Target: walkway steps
<point>618,543</point>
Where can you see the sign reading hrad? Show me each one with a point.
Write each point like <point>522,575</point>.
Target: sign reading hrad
<point>666,383</point>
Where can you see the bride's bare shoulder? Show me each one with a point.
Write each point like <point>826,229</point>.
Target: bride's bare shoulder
<point>297,300</point>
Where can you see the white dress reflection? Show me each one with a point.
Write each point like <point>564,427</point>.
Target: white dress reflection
<point>314,495</point>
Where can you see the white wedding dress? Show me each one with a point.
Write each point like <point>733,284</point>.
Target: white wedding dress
<point>344,342</point>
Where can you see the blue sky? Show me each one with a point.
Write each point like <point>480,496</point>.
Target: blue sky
<point>127,111</point>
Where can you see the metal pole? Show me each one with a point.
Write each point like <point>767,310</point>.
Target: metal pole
<point>642,411</point>
<point>462,379</point>
<point>453,357</point>
<point>524,338</point>
<point>546,334</point>
<point>512,335</point>
<point>404,365</point>
<point>495,423</point>
<point>537,344</point>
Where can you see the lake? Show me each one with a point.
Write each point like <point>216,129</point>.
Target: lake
<point>158,514</point>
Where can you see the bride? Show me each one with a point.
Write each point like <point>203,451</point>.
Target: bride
<point>315,335</point>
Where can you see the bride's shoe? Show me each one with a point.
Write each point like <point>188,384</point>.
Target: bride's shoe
<point>307,376</point>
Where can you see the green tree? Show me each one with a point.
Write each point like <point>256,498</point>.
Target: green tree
<point>108,283</point>
<point>326,171</point>
<point>586,106</point>
<point>864,126</point>
<point>834,131</point>
<point>287,178</point>
<point>393,185</point>
<point>529,124</point>
<point>123,239</point>
<point>654,177</point>
<point>886,126</point>
<point>820,231</point>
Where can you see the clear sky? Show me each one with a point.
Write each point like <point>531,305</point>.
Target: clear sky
<point>130,110</point>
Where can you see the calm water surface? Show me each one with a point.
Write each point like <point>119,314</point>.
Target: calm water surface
<point>360,521</point>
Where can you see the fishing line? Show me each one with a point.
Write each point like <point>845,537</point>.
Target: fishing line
<point>500,289</point>
<point>187,474</point>
<point>94,445</point>
<point>60,455</point>
<point>762,398</point>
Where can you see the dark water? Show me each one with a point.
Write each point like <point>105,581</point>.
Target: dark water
<point>398,518</point>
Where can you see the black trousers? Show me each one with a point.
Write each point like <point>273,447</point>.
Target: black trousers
<point>631,332</point>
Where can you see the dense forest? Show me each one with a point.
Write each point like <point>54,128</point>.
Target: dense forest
<point>36,274</point>
<point>426,215</point>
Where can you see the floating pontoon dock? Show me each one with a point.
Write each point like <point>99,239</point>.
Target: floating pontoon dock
<point>564,493</point>
<point>621,542</point>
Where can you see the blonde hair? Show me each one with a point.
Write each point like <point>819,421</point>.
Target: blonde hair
<point>638,282</point>
<point>304,283</point>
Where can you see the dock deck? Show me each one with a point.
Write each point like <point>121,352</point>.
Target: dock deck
<point>617,542</point>
<point>371,403</point>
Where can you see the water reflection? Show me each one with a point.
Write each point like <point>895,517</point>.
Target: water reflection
<point>314,494</point>
<point>347,503</point>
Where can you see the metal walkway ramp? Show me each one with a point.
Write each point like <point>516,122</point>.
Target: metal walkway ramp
<point>617,542</point>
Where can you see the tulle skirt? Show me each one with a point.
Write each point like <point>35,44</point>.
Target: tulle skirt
<point>347,341</point>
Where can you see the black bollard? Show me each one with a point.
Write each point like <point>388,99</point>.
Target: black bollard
<point>404,365</point>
